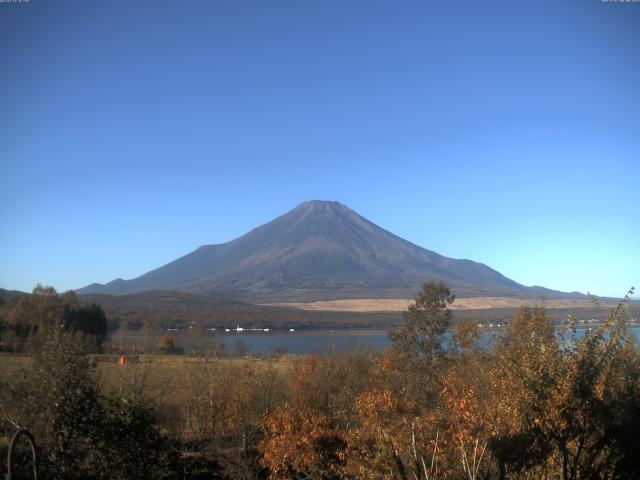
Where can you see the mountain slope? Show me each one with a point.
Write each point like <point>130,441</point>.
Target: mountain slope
<point>318,250</point>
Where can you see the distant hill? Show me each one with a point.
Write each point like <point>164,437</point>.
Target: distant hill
<point>319,250</point>
<point>167,309</point>
<point>7,295</point>
<point>170,309</point>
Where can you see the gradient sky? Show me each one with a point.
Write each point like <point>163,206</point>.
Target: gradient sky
<point>507,132</point>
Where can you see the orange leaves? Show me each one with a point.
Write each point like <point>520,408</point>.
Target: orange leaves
<point>375,407</point>
<point>299,442</point>
<point>299,379</point>
<point>469,422</point>
<point>529,408</point>
<point>465,419</point>
<point>388,363</point>
<point>393,440</point>
<point>167,342</point>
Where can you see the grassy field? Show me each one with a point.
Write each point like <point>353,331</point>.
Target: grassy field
<point>161,378</point>
<point>470,303</point>
<point>185,392</point>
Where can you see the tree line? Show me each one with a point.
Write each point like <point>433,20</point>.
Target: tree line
<point>537,404</point>
<point>28,320</point>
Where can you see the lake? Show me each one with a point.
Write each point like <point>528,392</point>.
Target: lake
<point>300,342</point>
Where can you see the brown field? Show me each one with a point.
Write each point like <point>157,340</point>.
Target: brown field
<point>168,383</point>
<point>162,378</point>
<point>400,304</point>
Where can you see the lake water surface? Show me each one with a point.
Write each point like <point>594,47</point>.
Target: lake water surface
<point>300,342</point>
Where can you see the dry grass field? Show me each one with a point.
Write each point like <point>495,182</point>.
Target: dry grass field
<point>175,386</point>
<point>161,378</point>
<point>400,304</point>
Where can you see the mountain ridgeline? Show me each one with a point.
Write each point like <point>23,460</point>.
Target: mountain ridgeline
<point>319,250</point>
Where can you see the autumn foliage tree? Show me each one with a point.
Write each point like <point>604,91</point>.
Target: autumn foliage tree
<point>566,410</point>
<point>393,439</point>
<point>301,445</point>
<point>167,343</point>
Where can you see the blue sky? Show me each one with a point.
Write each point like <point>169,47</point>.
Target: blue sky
<point>504,132</point>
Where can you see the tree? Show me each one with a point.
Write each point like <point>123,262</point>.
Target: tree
<point>89,320</point>
<point>31,318</point>
<point>418,343</point>
<point>30,315</point>
<point>301,445</point>
<point>393,439</point>
<point>167,343</point>
<point>426,321</point>
<point>81,432</point>
<point>567,410</point>
<point>65,409</point>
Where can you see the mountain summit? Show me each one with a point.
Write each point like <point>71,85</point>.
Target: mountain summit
<point>318,250</point>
